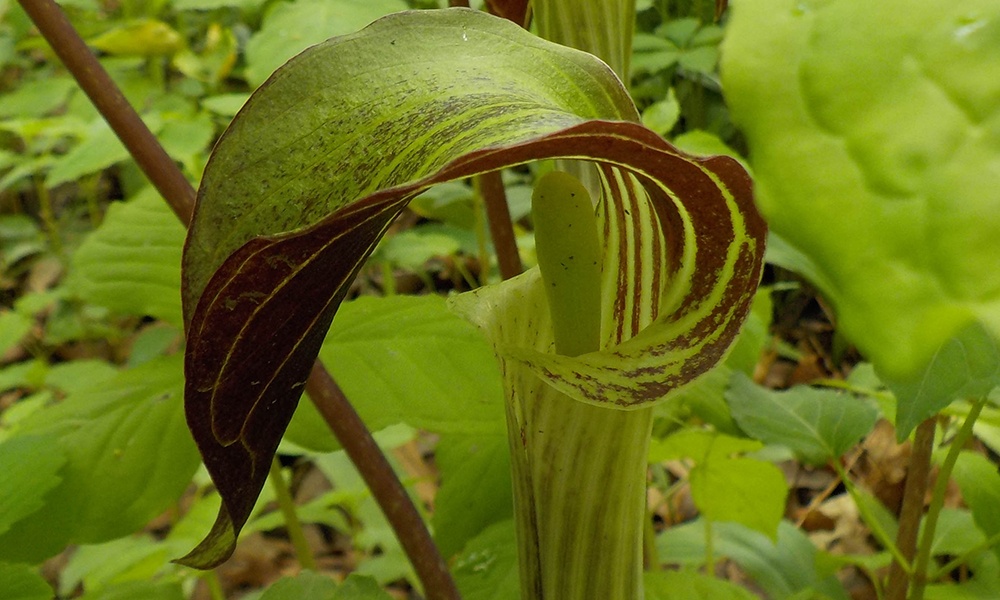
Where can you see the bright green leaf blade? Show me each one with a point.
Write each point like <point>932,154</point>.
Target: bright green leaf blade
<point>700,445</point>
<point>874,150</point>
<point>966,366</point>
<point>21,582</point>
<point>979,481</point>
<point>13,327</point>
<point>688,585</point>
<point>129,456</point>
<point>782,569</point>
<point>98,151</point>
<point>131,263</point>
<point>293,26</point>
<point>29,470</point>
<point>740,490</point>
<point>410,360</point>
<point>487,567</point>
<point>819,425</point>
<point>306,584</point>
<point>406,359</point>
<point>475,489</point>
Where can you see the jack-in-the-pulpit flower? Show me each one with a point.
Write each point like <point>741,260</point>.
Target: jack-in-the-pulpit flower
<point>331,148</point>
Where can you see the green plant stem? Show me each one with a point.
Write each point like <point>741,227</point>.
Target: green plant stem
<point>912,510</point>
<point>579,497</point>
<point>873,523</point>
<point>48,215</point>
<point>937,500</point>
<point>292,524</point>
<point>168,179</point>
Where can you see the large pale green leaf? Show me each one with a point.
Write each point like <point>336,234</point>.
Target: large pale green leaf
<point>817,424</point>
<point>333,146</point>
<point>875,150</point>
<point>128,457</point>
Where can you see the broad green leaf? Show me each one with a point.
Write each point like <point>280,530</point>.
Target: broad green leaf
<point>131,263</point>
<point>302,185</point>
<point>782,569</point>
<point>30,470</point>
<point>147,590</point>
<point>724,485</point>
<point>487,567</point>
<point>128,457</point>
<point>874,150</point>
<point>291,27</point>
<point>21,582</point>
<point>96,567</point>
<point>689,585</point>
<point>306,584</point>
<point>475,488</point>
<point>13,327</point>
<point>740,490</point>
<point>357,587</point>
<point>407,359</point>
<point>966,366</point>
<point>36,98</point>
<point>979,481</point>
<point>819,425</point>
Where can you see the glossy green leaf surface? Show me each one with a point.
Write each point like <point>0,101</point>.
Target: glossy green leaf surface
<point>333,146</point>
<point>817,424</point>
<point>875,153</point>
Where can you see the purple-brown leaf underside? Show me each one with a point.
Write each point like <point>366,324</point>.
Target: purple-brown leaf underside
<point>262,318</point>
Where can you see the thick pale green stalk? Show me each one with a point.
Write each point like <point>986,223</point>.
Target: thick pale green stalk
<point>579,470</point>
<point>579,496</point>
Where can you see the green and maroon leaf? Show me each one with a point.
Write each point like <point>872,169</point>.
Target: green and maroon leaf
<point>333,146</point>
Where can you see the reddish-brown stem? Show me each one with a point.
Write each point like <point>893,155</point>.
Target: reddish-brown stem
<point>501,229</point>
<point>388,492</point>
<point>912,509</point>
<point>168,179</point>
